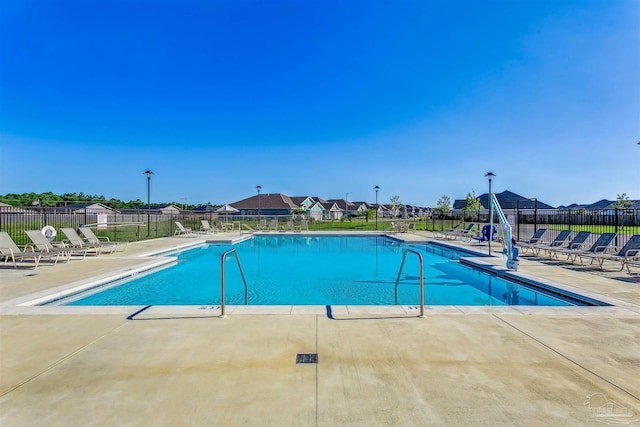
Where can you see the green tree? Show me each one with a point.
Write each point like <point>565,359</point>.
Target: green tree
<point>299,212</point>
<point>368,214</point>
<point>395,204</point>
<point>472,203</point>
<point>443,205</point>
<point>622,201</point>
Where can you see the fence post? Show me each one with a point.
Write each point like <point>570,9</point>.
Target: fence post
<point>569,220</point>
<point>518,220</point>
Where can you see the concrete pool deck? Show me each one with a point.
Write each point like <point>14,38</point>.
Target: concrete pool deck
<point>377,366</point>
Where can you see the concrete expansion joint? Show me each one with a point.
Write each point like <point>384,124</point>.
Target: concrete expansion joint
<point>60,361</point>
<point>582,367</point>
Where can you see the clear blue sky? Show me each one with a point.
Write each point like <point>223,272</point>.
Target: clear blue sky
<point>323,98</point>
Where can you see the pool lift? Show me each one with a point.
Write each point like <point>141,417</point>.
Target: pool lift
<point>509,249</point>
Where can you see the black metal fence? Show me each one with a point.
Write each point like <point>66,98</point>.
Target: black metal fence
<point>525,222</point>
<point>141,224</point>
<point>130,226</point>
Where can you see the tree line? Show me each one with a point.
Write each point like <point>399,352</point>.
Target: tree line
<point>50,199</point>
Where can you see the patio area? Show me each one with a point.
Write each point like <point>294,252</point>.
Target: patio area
<point>375,365</point>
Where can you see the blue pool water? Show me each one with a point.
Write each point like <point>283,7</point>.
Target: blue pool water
<point>312,270</point>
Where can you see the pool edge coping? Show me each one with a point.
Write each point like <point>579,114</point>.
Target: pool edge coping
<point>27,304</point>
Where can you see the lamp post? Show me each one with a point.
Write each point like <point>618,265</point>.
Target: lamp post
<point>258,188</point>
<point>490,176</point>
<point>148,173</point>
<point>377,189</point>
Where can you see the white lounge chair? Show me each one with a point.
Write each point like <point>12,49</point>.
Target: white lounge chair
<point>557,243</point>
<point>466,234</point>
<point>302,226</point>
<point>262,225</point>
<point>288,226</point>
<point>43,244</point>
<point>206,227</point>
<point>446,233</point>
<point>10,251</point>
<point>528,244</point>
<point>75,241</point>
<point>181,230</point>
<point>101,240</point>
<point>601,245</point>
<point>630,253</point>
<point>576,244</point>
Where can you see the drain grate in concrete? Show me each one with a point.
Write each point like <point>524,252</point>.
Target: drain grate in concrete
<point>307,358</point>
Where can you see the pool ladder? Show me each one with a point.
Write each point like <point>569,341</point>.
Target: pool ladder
<point>404,258</point>
<point>223,258</point>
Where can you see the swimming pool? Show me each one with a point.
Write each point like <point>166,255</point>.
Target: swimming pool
<point>319,270</point>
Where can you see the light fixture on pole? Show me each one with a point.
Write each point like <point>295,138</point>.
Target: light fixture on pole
<point>490,176</point>
<point>148,173</point>
<point>377,189</point>
<point>258,188</point>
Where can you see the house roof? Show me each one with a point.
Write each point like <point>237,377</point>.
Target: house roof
<point>204,208</point>
<point>507,200</point>
<point>299,199</point>
<point>91,206</point>
<point>602,204</point>
<point>343,204</point>
<point>267,201</point>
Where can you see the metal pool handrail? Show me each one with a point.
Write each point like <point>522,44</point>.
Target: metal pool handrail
<point>246,289</point>
<point>404,258</point>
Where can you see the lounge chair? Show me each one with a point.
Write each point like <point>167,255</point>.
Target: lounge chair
<point>302,226</point>
<point>101,240</point>
<point>634,263</point>
<point>262,225</point>
<point>225,226</point>
<point>43,244</point>
<point>10,251</point>
<point>575,244</point>
<point>601,245</point>
<point>75,241</point>
<point>466,233</point>
<point>445,233</point>
<point>181,230</point>
<point>534,240</point>
<point>629,253</point>
<point>288,226</point>
<point>273,225</point>
<point>397,227</point>
<point>556,243</point>
<point>206,227</point>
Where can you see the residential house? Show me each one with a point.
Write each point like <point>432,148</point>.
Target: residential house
<point>266,204</point>
<point>303,202</point>
<point>347,208</point>
<point>166,209</point>
<point>205,209</point>
<point>87,208</point>
<point>360,208</point>
<point>507,200</point>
